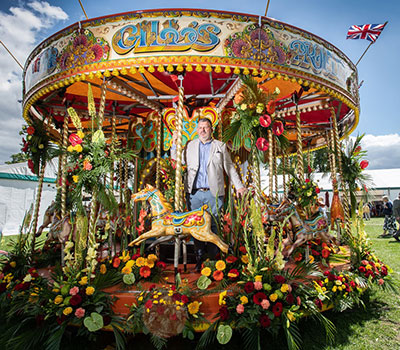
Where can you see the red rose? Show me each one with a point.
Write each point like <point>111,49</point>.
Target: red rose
<point>30,130</point>
<point>223,313</point>
<point>152,286</point>
<point>74,139</point>
<point>75,300</point>
<point>242,249</point>
<point>259,297</point>
<point>184,299</point>
<point>265,321</point>
<point>279,279</point>
<point>364,164</point>
<point>148,304</point>
<point>145,271</point>
<point>352,284</point>
<point>277,309</point>
<point>290,298</point>
<point>161,265</point>
<point>307,180</point>
<point>384,271</point>
<point>277,128</point>
<point>249,287</point>
<point>317,190</point>
<point>231,259</point>
<point>361,269</point>
<point>265,121</point>
<point>262,144</point>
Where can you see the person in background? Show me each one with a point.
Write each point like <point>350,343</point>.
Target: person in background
<point>206,160</point>
<point>396,214</point>
<point>366,212</point>
<point>389,225</point>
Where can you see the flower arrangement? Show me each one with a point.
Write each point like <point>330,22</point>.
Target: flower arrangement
<point>305,191</point>
<point>353,166</point>
<point>318,252</point>
<point>130,269</point>
<point>341,289</point>
<point>166,312</point>
<point>223,271</point>
<point>36,146</point>
<point>255,115</point>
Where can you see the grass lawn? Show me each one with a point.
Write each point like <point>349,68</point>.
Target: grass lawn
<point>375,327</point>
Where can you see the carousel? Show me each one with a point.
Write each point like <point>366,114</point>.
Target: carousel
<point>105,96</point>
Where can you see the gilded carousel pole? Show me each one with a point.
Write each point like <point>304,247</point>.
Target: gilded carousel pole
<point>159,145</point>
<point>300,165</point>
<point>337,151</point>
<point>179,128</point>
<point>271,164</point>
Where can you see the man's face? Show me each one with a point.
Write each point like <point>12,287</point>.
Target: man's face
<point>204,131</point>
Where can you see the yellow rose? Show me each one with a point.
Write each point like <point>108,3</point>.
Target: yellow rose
<point>67,310</point>
<point>75,178</point>
<point>284,288</point>
<point>80,134</point>
<point>244,299</point>
<point>206,271</point>
<point>243,106</point>
<point>273,297</point>
<point>78,148</point>
<point>89,290</point>
<point>13,264</point>
<point>149,263</point>
<point>70,148</point>
<point>126,270</point>
<point>258,278</point>
<point>83,281</point>
<point>220,265</point>
<point>140,262</point>
<point>193,308</point>
<point>334,289</point>
<point>103,269</point>
<point>58,299</point>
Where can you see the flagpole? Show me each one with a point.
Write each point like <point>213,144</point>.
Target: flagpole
<point>266,10</point>
<point>364,52</point>
<point>369,46</point>
<point>15,59</point>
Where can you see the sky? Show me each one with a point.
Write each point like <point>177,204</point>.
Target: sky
<point>24,24</point>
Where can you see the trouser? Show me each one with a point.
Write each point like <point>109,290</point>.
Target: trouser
<point>397,233</point>
<point>195,201</point>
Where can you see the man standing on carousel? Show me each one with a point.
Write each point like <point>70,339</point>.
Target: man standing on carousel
<point>206,160</point>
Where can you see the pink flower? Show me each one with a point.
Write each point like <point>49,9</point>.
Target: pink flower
<point>74,139</point>
<point>277,128</point>
<point>79,313</point>
<point>381,281</point>
<point>364,164</point>
<point>265,304</point>
<point>74,291</point>
<point>240,308</point>
<point>87,165</point>
<point>265,120</point>
<point>258,285</point>
<point>262,144</point>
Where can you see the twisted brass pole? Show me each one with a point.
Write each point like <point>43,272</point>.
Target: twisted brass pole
<point>121,175</point>
<point>283,173</point>
<point>159,140</point>
<point>300,165</point>
<point>346,201</point>
<point>112,148</point>
<point>37,204</point>
<point>271,163</point>
<point>63,168</point>
<point>276,169</point>
<point>220,126</point>
<point>179,153</point>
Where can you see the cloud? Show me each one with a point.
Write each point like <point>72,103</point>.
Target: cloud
<point>21,29</point>
<point>383,151</point>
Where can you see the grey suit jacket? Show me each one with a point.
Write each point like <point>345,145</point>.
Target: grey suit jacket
<point>218,161</point>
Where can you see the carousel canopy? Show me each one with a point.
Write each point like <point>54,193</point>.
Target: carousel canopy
<point>140,55</point>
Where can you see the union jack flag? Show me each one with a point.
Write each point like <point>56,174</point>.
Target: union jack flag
<point>365,31</point>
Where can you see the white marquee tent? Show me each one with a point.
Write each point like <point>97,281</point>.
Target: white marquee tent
<point>18,187</point>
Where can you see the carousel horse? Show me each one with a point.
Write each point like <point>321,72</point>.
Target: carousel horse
<point>195,223</point>
<point>337,212</point>
<point>305,230</point>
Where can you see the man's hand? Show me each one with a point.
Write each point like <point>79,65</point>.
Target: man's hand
<point>241,191</point>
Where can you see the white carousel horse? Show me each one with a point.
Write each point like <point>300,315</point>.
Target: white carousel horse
<point>305,230</point>
<point>195,223</point>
